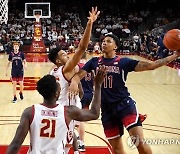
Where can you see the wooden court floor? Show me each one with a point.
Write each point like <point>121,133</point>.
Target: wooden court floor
<point>156,92</point>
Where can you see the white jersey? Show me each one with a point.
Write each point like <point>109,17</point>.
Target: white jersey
<point>48,130</point>
<point>65,100</point>
<point>64,84</point>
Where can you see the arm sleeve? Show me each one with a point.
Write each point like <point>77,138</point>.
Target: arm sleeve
<point>129,64</point>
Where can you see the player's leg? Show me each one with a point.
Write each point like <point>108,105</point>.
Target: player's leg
<point>14,78</point>
<point>81,132</point>
<point>117,145</point>
<point>14,90</point>
<point>21,90</point>
<point>75,144</point>
<point>85,101</point>
<point>113,128</point>
<point>133,124</point>
<point>137,133</point>
<point>21,79</point>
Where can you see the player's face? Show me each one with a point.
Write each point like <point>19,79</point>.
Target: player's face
<point>62,57</point>
<point>16,48</point>
<point>108,44</point>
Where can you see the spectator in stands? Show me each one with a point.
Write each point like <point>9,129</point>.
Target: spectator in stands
<point>1,48</point>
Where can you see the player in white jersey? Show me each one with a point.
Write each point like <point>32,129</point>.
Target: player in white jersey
<point>64,83</point>
<point>49,122</point>
<point>66,67</point>
<point>47,118</point>
<point>65,100</point>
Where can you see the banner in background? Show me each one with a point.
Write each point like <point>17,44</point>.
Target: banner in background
<point>37,42</point>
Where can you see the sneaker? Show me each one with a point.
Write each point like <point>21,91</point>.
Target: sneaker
<point>142,117</point>
<point>14,100</point>
<point>81,148</point>
<point>21,96</point>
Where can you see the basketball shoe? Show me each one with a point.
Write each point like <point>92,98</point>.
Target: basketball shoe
<point>21,96</point>
<point>14,99</point>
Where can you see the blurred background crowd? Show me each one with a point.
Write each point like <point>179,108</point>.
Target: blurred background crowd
<point>140,25</point>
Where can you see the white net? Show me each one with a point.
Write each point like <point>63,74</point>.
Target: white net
<point>3,11</point>
<point>37,17</point>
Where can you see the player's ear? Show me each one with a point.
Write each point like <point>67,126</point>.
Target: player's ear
<point>56,94</point>
<point>115,47</point>
<point>58,61</point>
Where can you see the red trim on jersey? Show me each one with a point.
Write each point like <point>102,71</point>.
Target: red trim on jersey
<point>118,58</point>
<point>64,75</point>
<point>32,117</point>
<point>65,116</point>
<point>100,58</point>
<point>55,105</point>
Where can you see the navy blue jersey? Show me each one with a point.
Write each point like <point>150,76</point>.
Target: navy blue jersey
<point>113,87</point>
<point>17,60</point>
<point>87,81</point>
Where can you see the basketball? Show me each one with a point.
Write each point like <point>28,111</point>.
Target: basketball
<point>172,39</point>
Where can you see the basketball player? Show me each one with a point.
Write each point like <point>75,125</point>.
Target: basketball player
<point>18,61</point>
<point>48,122</point>
<point>66,67</point>
<point>117,106</point>
<point>87,85</point>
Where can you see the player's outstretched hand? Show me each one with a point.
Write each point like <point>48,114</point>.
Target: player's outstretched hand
<point>99,78</point>
<point>93,14</point>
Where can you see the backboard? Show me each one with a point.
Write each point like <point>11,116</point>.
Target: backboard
<point>41,8</point>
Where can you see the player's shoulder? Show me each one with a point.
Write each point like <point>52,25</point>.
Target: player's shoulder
<point>126,59</point>
<point>21,53</point>
<point>96,58</point>
<point>55,70</point>
<point>11,53</point>
<point>28,111</point>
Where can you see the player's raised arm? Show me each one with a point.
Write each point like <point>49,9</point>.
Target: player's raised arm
<point>92,114</point>
<point>144,66</point>
<point>83,44</point>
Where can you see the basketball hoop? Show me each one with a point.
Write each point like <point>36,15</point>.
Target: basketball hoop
<point>37,17</point>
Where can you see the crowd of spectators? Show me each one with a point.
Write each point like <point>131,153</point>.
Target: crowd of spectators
<point>65,28</point>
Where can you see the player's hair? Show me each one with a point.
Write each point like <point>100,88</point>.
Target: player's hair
<point>115,38</point>
<point>47,86</point>
<point>16,43</point>
<point>53,54</point>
